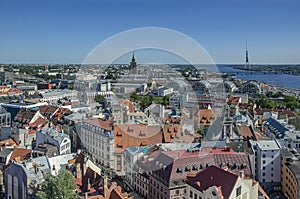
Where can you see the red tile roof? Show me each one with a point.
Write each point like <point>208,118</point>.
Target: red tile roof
<point>105,124</point>
<point>214,176</point>
<point>186,161</point>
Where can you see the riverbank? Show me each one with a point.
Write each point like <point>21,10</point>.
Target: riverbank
<point>277,69</point>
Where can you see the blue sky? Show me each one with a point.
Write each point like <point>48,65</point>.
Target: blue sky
<point>65,31</point>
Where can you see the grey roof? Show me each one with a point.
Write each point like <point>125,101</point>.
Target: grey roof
<point>75,116</point>
<point>54,133</point>
<point>135,150</point>
<point>214,131</point>
<point>268,145</point>
<point>275,126</point>
<point>5,152</point>
<point>243,146</point>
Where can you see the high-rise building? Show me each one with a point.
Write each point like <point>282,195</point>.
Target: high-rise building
<point>133,69</point>
<point>247,65</point>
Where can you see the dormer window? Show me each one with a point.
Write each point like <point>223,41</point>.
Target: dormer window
<point>195,168</point>
<point>187,169</point>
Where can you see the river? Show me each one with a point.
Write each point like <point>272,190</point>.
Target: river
<point>284,80</point>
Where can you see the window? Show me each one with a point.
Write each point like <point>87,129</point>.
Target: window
<point>191,194</point>
<point>238,191</point>
<point>263,174</point>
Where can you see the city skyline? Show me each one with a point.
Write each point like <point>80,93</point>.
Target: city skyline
<point>66,32</point>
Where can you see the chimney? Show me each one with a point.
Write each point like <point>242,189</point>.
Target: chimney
<point>78,171</point>
<point>105,188</point>
<point>198,183</point>
<point>211,178</point>
<point>242,174</point>
<point>88,185</point>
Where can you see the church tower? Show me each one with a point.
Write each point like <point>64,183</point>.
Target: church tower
<point>133,69</point>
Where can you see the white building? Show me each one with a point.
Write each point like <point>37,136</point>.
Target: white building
<point>268,162</point>
<point>56,138</point>
<point>54,95</point>
<point>97,138</point>
<point>164,91</point>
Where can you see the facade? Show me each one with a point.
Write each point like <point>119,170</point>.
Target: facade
<point>97,138</point>
<point>290,169</point>
<point>5,118</point>
<point>268,162</point>
<point>55,95</point>
<point>217,183</point>
<point>23,138</point>
<point>164,91</point>
<point>56,138</point>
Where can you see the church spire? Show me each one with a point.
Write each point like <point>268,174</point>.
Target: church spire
<point>133,69</point>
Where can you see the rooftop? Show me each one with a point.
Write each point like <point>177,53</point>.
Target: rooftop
<point>214,176</point>
<point>105,124</point>
<point>268,145</point>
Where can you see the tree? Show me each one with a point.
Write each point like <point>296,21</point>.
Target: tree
<point>133,97</point>
<point>61,186</point>
<point>99,98</point>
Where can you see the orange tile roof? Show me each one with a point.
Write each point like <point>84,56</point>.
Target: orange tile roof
<point>247,132</point>
<point>129,104</point>
<point>127,135</point>
<point>206,117</point>
<point>20,154</point>
<point>173,133</point>
<point>259,136</point>
<point>39,122</point>
<point>233,100</point>
<point>8,142</point>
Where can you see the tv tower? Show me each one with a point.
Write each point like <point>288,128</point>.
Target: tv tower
<point>247,65</point>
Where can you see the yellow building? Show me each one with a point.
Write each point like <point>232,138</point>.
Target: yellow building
<point>290,174</point>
